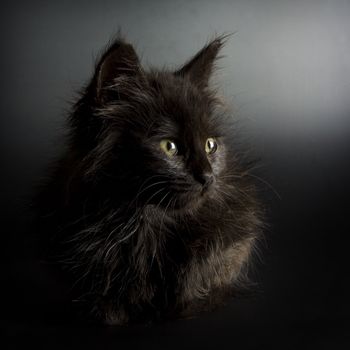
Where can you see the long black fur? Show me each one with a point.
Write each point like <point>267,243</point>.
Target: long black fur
<point>139,234</point>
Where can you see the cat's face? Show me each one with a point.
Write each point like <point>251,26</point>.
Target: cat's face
<point>165,142</point>
<point>182,149</point>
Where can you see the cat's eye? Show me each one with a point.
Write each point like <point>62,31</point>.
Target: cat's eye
<point>211,145</point>
<point>168,147</point>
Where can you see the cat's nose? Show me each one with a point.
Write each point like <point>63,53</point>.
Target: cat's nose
<point>205,179</point>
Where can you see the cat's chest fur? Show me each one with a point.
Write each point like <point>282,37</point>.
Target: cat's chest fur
<point>203,254</point>
<point>180,265</point>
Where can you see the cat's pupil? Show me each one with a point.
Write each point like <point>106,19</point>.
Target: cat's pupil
<point>170,146</point>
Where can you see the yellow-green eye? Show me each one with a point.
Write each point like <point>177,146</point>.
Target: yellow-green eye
<point>211,145</point>
<point>168,147</point>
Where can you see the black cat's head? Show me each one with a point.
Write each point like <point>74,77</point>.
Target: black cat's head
<point>155,135</point>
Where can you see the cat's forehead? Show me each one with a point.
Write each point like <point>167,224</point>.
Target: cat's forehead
<point>183,107</point>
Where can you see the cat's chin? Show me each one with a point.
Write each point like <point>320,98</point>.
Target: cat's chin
<point>189,206</point>
<point>183,202</point>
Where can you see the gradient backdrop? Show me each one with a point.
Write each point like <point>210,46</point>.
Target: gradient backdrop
<point>287,73</point>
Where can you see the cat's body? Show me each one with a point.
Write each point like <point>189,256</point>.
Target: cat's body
<point>150,210</point>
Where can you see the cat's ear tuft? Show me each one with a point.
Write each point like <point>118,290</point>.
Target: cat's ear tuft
<point>200,67</point>
<point>120,59</point>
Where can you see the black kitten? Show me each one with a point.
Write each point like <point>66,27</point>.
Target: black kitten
<point>150,208</point>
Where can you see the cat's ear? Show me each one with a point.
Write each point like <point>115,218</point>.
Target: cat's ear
<point>199,68</point>
<point>120,59</point>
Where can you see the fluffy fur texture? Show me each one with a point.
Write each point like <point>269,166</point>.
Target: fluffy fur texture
<point>142,234</point>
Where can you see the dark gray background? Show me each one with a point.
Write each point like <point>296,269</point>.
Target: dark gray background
<point>286,71</point>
